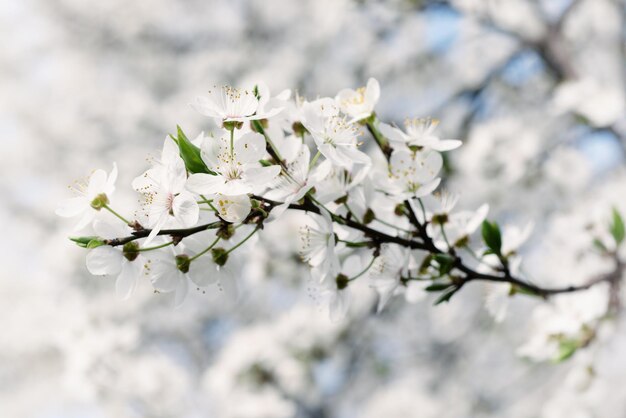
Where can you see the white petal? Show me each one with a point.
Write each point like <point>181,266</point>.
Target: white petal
<point>109,188</point>
<point>338,305</point>
<point>227,284</point>
<point>354,155</point>
<point>164,275</point>
<point>205,183</point>
<point>428,166</point>
<point>428,188</point>
<point>385,288</point>
<point>158,225</point>
<point>205,107</point>
<point>86,219</point>
<point>391,133</point>
<point>211,148</point>
<point>127,280</point>
<point>261,176</point>
<point>446,145</point>
<point>97,183</point>
<point>181,291</point>
<point>250,147</point>
<point>104,260</point>
<point>186,210</point>
<point>478,218</point>
<point>72,207</point>
<point>372,92</point>
<point>170,153</point>
<point>202,271</point>
<point>233,208</point>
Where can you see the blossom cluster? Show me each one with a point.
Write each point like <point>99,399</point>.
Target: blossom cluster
<point>371,191</point>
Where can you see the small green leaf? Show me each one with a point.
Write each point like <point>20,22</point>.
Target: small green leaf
<point>83,242</point>
<point>437,287</point>
<point>445,262</point>
<point>492,236</point>
<point>567,348</point>
<point>446,296</point>
<point>617,227</point>
<point>94,243</point>
<point>190,154</point>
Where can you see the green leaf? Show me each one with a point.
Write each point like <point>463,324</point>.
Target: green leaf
<point>446,296</point>
<point>94,243</point>
<point>492,236</point>
<point>83,242</point>
<point>190,154</point>
<point>617,227</point>
<point>445,262</point>
<point>567,348</point>
<point>437,287</point>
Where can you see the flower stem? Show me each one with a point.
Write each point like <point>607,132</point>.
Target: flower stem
<point>232,143</point>
<point>207,249</point>
<point>445,237</point>
<point>156,247</point>
<point>314,160</point>
<point>208,202</point>
<point>107,207</point>
<point>243,240</point>
<point>364,270</point>
<point>383,144</point>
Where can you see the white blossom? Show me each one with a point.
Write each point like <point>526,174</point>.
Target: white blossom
<point>229,104</point>
<point>100,186</point>
<point>359,104</point>
<point>419,133</point>
<point>236,166</point>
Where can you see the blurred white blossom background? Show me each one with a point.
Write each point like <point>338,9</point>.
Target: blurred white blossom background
<point>534,88</point>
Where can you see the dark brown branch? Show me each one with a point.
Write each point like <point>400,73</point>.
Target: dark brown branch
<point>174,233</point>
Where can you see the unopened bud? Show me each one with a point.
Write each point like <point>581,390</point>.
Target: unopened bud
<point>183,263</point>
<point>299,129</point>
<point>342,281</point>
<point>399,209</point>
<point>343,199</point>
<point>220,256</point>
<point>226,231</point>
<point>131,250</point>
<point>462,242</point>
<point>369,216</point>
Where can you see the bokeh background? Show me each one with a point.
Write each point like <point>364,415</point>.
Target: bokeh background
<point>534,88</point>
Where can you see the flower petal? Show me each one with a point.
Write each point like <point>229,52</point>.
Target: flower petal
<point>202,271</point>
<point>227,284</point>
<point>97,183</point>
<point>182,289</point>
<point>391,133</point>
<point>233,208</point>
<point>205,183</point>
<point>250,147</point>
<point>104,260</point>
<point>261,176</point>
<point>127,280</point>
<point>186,210</point>
<point>446,145</point>
<point>72,207</point>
